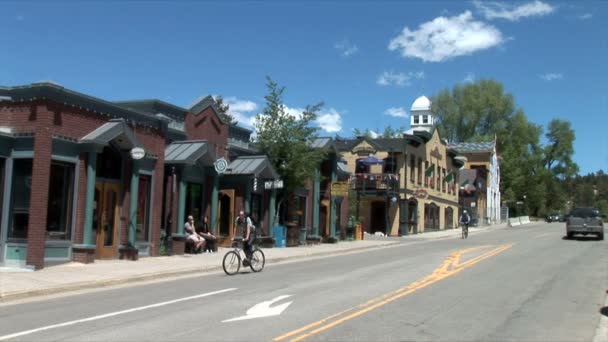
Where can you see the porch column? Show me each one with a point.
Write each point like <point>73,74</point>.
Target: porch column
<point>8,184</point>
<point>247,202</point>
<point>133,204</point>
<point>181,208</point>
<point>334,178</point>
<point>215,192</point>
<point>272,211</point>
<point>41,169</point>
<point>316,202</point>
<point>88,209</point>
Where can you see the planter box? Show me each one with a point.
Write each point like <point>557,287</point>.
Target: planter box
<point>128,253</point>
<point>313,240</point>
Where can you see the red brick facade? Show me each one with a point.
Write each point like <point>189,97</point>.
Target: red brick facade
<point>207,125</point>
<point>46,120</point>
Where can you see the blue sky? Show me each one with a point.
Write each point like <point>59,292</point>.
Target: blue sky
<point>367,61</point>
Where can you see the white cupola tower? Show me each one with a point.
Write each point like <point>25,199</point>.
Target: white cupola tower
<point>421,116</point>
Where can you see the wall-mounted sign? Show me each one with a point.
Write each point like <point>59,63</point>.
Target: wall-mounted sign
<point>273,184</point>
<point>220,165</point>
<point>421,193</point>
<point>137,153</point>
<point>435,153</point>
<point>339,188</point>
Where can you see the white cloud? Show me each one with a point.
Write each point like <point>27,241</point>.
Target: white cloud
<point>552,76</point>
<point>373,134</point>
<point>330,121</point>
<point>399,79</point>
<point>398,112</point>
<point>244,111</point>
<point>444,38</point>
<point>512,12</point>
<point>346,48</point>
<point>585,16</point>
<point>240,105</point>
<point>470,77</point>
<point>327,120</point>
<point>295,112</point>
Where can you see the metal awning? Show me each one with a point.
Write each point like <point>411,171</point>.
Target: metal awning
<point>115,130</point>
<point>257,166</point>
<point>189,152</point>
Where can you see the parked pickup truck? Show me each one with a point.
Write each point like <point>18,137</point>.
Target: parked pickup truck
<point>585,221</point>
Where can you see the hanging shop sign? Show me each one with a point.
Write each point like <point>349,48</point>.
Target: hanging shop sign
<point>137,153</point>
<point>220,165</point>
<point>273,184</point>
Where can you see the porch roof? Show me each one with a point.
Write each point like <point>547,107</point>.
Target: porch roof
<point>114,130</point>
<point>189,152</point>
<point>258,166</point>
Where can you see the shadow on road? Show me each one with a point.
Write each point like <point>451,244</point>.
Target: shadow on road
<point>582,238</point>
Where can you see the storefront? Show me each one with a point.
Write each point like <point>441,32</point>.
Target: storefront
<point>78,182</point>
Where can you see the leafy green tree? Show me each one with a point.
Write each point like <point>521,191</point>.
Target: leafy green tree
<point>482,111</point>
<point>559,150</point>
<point>287,140</point>
<point>224,111</point>
<point>558,163</point>
<point>389,132</point>
<point>474,111</point>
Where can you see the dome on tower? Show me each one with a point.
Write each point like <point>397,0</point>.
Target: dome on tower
<point>421,103</point>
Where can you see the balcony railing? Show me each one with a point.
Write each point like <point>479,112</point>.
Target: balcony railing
<point>375,182</point>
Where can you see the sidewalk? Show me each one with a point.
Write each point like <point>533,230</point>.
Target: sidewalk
<point>76,276</point>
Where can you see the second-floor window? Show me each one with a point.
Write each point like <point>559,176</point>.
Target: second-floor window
<point>362,168</point>
<point>412,168</point>
<point>419,171</point>
<point>390,165</point>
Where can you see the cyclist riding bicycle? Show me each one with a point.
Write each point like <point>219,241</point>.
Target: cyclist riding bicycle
<point>465,219</point>
<point>244,227</point>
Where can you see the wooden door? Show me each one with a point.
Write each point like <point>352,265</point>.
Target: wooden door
<point>225,213</point>
<point>106,219</point>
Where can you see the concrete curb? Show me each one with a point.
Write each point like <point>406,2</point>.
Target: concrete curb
<point>140,278</point>
<point>601,333</point>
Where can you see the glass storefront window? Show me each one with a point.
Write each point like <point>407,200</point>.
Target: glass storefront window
<point>2,168</point>
<point>300,206</point>
<point>194,201</point>
<point>20,199</point>
<point>143,209</point>
<point>256,209</point>
<point>61,192</point>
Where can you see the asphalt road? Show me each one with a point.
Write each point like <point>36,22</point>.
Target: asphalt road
<point>514,284</point>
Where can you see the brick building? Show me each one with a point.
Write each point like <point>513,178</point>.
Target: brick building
<point>82,178</point>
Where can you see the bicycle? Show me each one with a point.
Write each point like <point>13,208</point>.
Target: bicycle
<point>465,230</point>
<point>232,259</point>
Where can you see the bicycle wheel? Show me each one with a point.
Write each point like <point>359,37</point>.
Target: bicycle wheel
<point>466,232</point>
<point>257,260</point>
<point>231,263</point>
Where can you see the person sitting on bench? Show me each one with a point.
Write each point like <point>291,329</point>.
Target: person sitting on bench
<point>193,237</point>
<point>210,239</point>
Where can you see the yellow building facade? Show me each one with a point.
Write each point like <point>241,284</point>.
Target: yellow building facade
<point>403,185</point>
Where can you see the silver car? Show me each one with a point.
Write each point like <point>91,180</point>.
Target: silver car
<point>585,221</point>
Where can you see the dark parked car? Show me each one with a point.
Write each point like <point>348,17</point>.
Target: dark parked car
<point>554,217</point>
<point>585,221</point>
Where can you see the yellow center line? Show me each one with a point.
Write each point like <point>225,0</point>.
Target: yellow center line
<point>448,268</point>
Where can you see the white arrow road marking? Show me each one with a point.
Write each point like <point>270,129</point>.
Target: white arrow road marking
<point>263,309</point>
<point>94,318</point>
